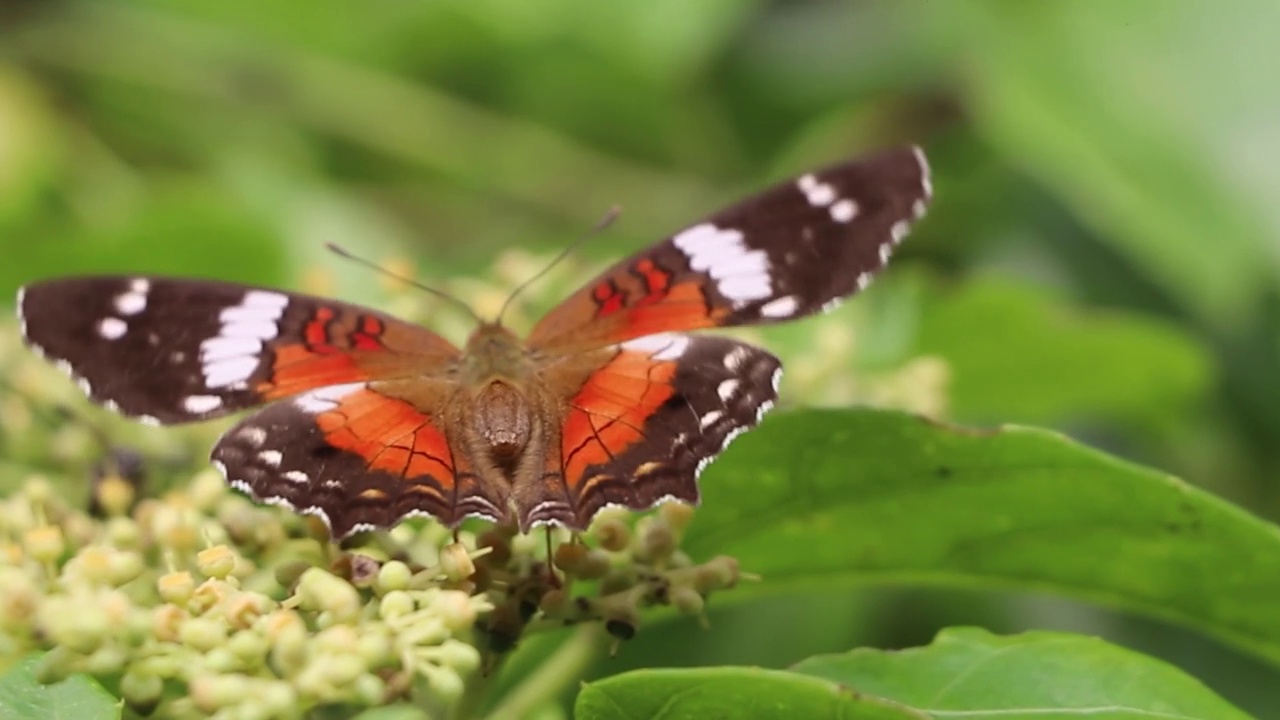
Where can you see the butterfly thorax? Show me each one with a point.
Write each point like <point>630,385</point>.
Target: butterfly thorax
<point>501,413</point>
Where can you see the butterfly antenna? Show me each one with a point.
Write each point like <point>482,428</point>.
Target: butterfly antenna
<point>596,229</point>
<point>342,252</point>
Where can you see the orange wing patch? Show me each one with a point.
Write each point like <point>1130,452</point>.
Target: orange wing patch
<point>390,435</point>
<point>608,414</point>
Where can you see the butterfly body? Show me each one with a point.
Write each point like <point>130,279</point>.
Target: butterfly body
<point>607,401</point>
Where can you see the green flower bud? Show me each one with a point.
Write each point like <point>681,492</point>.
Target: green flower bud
<point>215,692</point>
<point>687,600</point>
<point>124,567</point>
<point>677,515</point>
<point>176,587</point>
<point>371,690</point>
<point>614,534</point>
<point>318,590</point>
<point>460,656</point>
<point>570,556</point>
<point>454,607</point>
<point>222,661</point>
<point>289,649</point>
<point>278,699</point>
<point>376,648</point>
<point>249,647</point>
<point>55,665</point>
<point>206,489</point>
<point>19,598</point>
<point>106,660</point>
<point>446,685</point>
<point>395,604</point>
<point>141,690</point>
<point>216,562</point>
<point>123,532</point>
<point>393,575</point>
<point>167,621</point>
<point>202,633</point>
<point>115,495</point>
<point>337,640</point>
<point>78,624</point>
<point>657,540</point>
<point>44,543</point>
<point>718,573</point>
<point>455,562</point>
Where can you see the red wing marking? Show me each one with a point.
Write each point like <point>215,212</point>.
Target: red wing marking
<point>390,434</point>
<point>682,306</point>
<point>607,415</point>
<point>656,281</point>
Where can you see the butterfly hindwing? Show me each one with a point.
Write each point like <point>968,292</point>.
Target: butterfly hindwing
<point>359,455</point>
<point>641,427</point>
<point>175,350</point>
<point>790,251</point>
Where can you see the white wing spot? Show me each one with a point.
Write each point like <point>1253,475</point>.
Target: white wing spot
<point>254,436</point>
<point>864,279</point>
<point>85,387</point>
<point>228,372</point>
<point>325,399</point>
<point>885,251</point>
<point>664,346</point>
<point>727,389</point>
<point>710,419</point>
<point>271,457</point>
<point>781,308</point>
<point>741,275</point>
<point>734,359</point>
<point>899,231</point>
<point>836,302</point>
<point>151,420</point>
<point>819,194</point>
<point>231,356</point>
<point>843,211</point>
<point>296,476</point>
<point>926,181</point>
<point>112,328</point>
<point>201,404</point>
<point>133,300</point>
<point>776,379</point>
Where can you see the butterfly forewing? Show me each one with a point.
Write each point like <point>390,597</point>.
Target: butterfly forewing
<point>791,251</point>
<point>175,350</point>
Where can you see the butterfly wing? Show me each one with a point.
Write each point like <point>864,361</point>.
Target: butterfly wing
<point>793,250</point>
<point>176,350</point>
<point>641,421</point>
<point>359,456</point>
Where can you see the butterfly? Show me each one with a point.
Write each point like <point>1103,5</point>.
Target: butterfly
<point>607,401</point>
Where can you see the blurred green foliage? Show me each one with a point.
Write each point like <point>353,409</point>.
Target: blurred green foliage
<point>1100,258</point>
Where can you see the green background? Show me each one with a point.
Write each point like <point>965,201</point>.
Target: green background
<point>1100,258</point>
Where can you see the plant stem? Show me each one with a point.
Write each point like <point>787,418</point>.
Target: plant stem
<point>563,668</point>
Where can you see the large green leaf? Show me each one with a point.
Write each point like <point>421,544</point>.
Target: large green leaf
<point>1017,353</point>
<point>1033,675</point>
<point>76,698</point>
<point>739,693</point>
<point>868,496</point>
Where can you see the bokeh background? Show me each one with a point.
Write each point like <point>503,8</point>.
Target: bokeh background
<point>1100,259</point>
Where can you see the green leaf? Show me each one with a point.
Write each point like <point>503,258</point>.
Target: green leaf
<point>75,698</point>
<point>1006,340</point>
<point>821,496</point>
<point>739,693</point>
<point>1054,89</point>
<point>1033,675</point>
